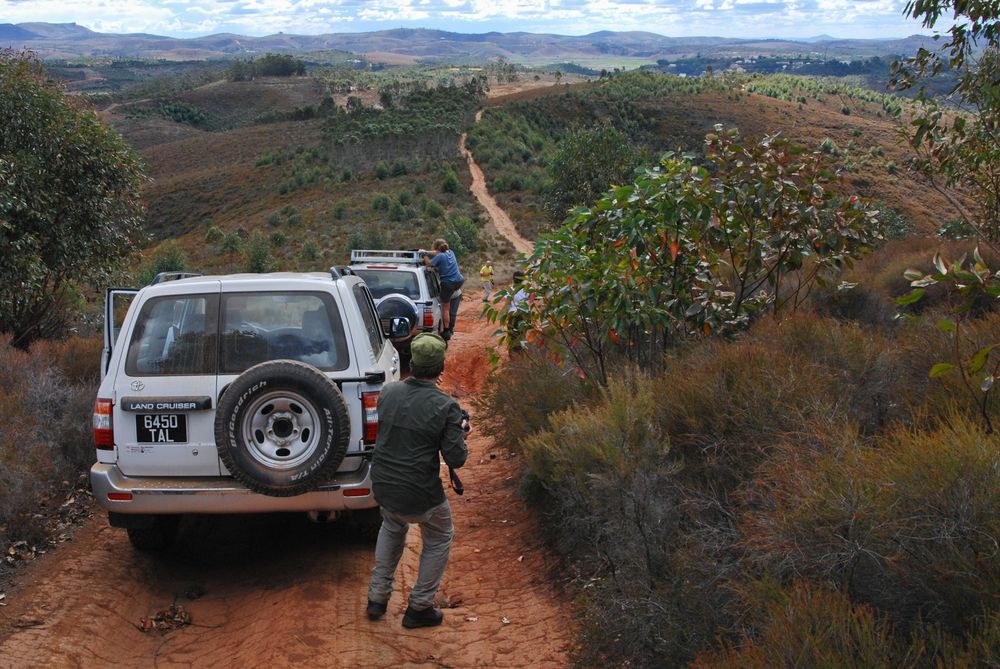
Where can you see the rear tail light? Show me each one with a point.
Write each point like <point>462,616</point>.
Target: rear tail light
<point>428,317</point>
<point>357,492</point>
<point>104,433</point>
<point>369,408</point>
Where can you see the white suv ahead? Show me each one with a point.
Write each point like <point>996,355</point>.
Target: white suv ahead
<point>403,287</point>
<point>238,394</point>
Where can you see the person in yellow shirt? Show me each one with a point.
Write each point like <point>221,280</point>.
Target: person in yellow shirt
<point>486,274</point>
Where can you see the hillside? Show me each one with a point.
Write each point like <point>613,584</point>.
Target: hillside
<point>294,191</point>
<point>291,183</point>
<point>520,133</point>
<point>72,41</point>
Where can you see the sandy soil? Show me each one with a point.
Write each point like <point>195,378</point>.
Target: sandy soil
<point>276,590</point>
<point>499,217</point>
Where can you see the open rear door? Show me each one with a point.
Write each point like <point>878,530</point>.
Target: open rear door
<point>116,304</point>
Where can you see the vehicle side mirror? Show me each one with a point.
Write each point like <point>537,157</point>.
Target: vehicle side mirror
<point>399,327</point>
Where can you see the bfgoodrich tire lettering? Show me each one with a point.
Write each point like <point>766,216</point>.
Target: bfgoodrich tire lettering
<point>282,428</point>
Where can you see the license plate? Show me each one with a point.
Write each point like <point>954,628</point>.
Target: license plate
<point>161,428</point>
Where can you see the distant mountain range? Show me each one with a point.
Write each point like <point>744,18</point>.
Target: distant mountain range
<point>68,40</point>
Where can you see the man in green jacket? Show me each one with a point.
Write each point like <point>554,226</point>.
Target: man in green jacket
<point>417,422</point>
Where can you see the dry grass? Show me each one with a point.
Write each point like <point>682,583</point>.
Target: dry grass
<point>47,398</point>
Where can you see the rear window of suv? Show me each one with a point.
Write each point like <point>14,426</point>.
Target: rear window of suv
<point>257,327</point>
<point>174,335</point>
<point>382,282</point>
<point>177,335</point>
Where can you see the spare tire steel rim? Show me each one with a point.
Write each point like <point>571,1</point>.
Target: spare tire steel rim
<point>281,429</point>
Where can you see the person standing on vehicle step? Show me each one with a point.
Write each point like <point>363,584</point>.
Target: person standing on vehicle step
<point>417,422</point>
<point>486,274</point>
<point>443,258</point>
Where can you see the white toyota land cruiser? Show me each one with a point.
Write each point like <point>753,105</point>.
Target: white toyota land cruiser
<point>237,394</point>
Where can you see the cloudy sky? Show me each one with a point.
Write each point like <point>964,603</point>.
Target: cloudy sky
<point>727,18</point>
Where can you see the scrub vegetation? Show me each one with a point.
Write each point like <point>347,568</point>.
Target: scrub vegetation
<point>797,469</point>
<point>755,391</point>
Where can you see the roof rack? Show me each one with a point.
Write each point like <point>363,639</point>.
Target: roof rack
<point>172,276</point>
<point>408,256</point>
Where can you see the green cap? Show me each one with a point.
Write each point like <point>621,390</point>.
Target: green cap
<point>427,349</point>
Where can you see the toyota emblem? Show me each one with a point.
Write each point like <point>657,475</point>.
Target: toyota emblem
<point>137,385</point>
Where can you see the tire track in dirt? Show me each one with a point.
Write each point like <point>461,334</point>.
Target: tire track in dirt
<point>500,219</point>
<point>276,590</point>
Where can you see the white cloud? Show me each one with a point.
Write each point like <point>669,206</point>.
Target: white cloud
<point>738,18</point>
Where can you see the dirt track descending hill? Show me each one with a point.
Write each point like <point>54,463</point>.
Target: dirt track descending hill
<point>278,591</point>
<point>499,217</point>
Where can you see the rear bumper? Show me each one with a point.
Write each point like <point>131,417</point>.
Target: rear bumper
<point>221,494</point>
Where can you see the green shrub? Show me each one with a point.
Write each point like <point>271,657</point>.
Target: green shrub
<point>397,212</point>
<point>310,251</point>
<point>274,219</point>
<point>381,202</point>
<point>398,168</point>
<point>956,228</point>
<point>214,234</point>
<point>278,238</point>
<point>531,389</point>
<point>807,626</point>
<point>368,238</point>
<point>258,257</point>
<point>232,243</point>
<point>450,183</point>
<point>183,112</point>
<point>340,211</point>
<point>168,257</point>
<point>910,526</point>
<point>612,501</point>
<point>462,235</point>
<point>434,209</point>
<point>897,225</point>
<point>381,170</point>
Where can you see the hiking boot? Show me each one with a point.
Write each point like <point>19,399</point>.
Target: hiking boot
<point>375,610</point>
<point>429,617</point>
<point>446,335</point>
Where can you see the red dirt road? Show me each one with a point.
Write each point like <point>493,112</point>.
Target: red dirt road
<point>278,591</point>
<point>500,219</point>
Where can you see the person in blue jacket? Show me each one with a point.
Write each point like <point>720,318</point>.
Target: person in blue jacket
<point>443,259</point>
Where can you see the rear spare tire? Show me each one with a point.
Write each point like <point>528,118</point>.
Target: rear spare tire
<point>398,306</point>
<point>282,428</point>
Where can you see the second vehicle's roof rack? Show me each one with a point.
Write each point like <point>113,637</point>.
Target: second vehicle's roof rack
<point>411,256</point>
